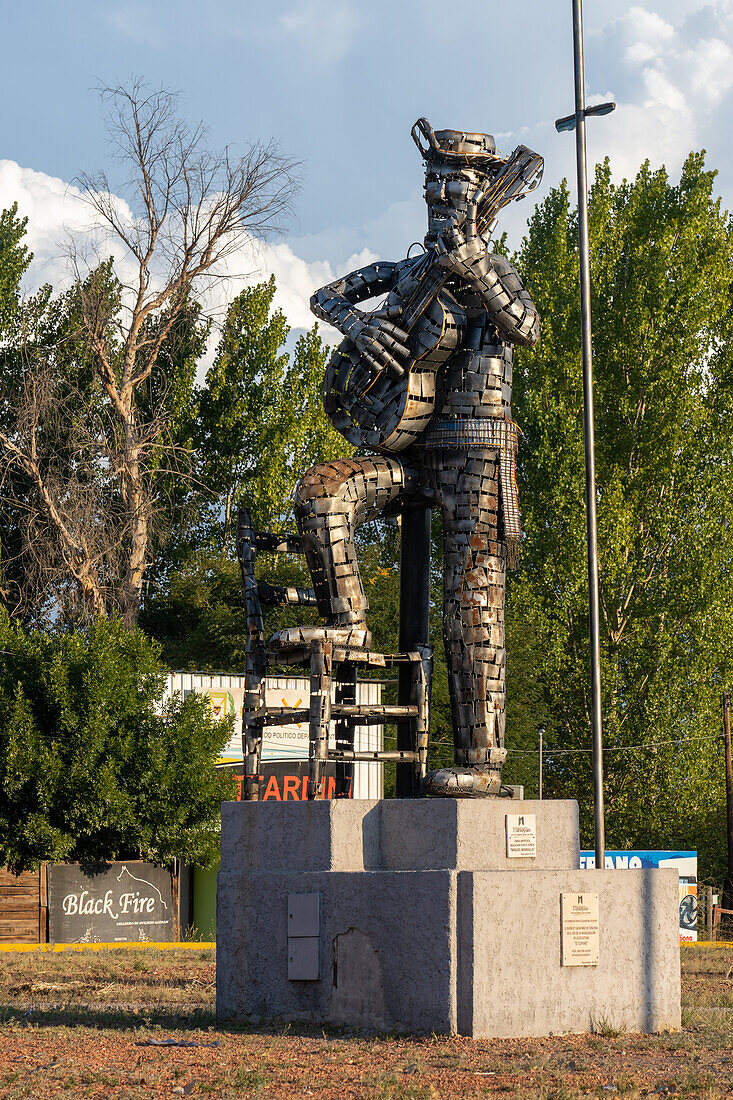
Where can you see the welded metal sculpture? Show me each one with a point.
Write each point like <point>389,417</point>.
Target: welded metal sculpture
<point>425,381</point>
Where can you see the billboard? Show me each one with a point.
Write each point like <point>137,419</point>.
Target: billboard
<point>283,744</point>
<point>128,902</point>
<point>686,864</point>
<point>279,742</point>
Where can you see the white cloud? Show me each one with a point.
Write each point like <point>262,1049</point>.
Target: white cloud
<point>672,75</point>
<point>326,29</point>
<point>323,32</point>
<point>56,211</point>
<point>295,278</point>
<point>388,235</point>
<point>712,69</point>
<point>132,21</point>
<point>650,32</point>
<point>668,64</point>
<point>661,92</point>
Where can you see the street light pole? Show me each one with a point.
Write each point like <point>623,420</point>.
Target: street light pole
<point>576,121</point>
<point>728,886</point>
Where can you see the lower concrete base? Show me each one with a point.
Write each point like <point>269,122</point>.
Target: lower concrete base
<point>474,952</point>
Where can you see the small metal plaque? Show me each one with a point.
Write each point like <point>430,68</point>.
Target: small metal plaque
<point>521,836</point>
<point>303,957</point>
<point>579,930</point>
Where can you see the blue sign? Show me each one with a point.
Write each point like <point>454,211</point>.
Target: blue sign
<point>685,861</point>
<point>686,864</point>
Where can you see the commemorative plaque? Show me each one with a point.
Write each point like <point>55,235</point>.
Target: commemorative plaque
<point>579,929</point>
<point>521,836</point>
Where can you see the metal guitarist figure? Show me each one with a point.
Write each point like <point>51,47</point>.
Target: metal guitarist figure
<point>425,381</point>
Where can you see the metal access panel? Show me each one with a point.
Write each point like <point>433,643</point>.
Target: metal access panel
<point>304,915</point>
<point>303,959</point>
<point>304,943</point>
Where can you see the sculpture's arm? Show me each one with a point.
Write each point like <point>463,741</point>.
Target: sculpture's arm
<point>509,303</point>
<point>494,279</point>
<point>379,341</point>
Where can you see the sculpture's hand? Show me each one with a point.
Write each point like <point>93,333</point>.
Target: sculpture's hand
<point>381,343</point>
<point>459,245</point>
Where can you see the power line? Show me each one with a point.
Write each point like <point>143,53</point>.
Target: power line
<point>71,734</point>
<point>614,748</point>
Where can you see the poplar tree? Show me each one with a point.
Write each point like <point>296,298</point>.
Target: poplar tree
<point>661,269</point>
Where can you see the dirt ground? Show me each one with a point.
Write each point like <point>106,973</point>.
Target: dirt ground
<point>141,1024</point>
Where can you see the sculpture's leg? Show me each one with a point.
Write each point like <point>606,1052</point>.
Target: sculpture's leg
<point>473,619</point>
<point>331,501</point>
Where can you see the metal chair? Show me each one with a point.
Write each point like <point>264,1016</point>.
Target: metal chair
<point>333,683</point>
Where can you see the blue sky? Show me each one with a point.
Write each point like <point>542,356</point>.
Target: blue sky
<point>339,84</point>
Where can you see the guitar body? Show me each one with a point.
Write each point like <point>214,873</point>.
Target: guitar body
<point>385,413</point>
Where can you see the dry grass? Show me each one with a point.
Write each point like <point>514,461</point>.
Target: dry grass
<point>141,978</point>
<point>81,1025</point>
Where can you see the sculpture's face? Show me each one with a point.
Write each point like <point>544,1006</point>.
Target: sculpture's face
<point>449,190</point>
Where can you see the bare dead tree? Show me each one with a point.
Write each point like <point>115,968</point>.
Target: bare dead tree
<point>179,214</point>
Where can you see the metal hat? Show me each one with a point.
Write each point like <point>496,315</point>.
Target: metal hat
<point>455,146</point>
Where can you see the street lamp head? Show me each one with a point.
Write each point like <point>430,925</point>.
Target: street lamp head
<point>568,122</point>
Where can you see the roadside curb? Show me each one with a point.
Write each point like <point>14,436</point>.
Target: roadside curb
<point>53,948</point>
<point>707,943</point>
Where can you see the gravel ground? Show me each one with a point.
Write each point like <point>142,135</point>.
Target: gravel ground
<point>113,1024</point>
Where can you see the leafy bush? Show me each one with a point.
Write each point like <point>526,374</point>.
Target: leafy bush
<point>93,765</point>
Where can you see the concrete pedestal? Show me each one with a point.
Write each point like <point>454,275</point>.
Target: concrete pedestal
<point>412,916</point>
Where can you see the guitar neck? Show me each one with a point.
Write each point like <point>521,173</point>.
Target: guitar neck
<point>520,175</point>
<point>429,287</point>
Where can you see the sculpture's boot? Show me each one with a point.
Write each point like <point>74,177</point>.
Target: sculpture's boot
<point>479,781</point>
<point>351,636</point>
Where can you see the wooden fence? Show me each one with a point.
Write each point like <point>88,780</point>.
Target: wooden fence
<point>23,906</point>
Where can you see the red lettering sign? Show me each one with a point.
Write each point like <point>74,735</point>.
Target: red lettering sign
<point>290,787</point>
<point>272,790</point>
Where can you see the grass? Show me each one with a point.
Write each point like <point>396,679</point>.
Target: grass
<point>144,977</point>
<point>79,1026</point>
<point>606,1028</point>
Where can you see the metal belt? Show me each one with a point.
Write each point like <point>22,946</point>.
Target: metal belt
<point>489,431</point>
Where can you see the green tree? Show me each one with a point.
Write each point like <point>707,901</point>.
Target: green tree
<point>93,764</point>
<point>15,259</point>
<point>196,612</point>
<point>240,408</point>
<point>186,210</point>
<point>260,420</point>
<point>181,498</point>
<point>661,259</point>
<point>259,424</point>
